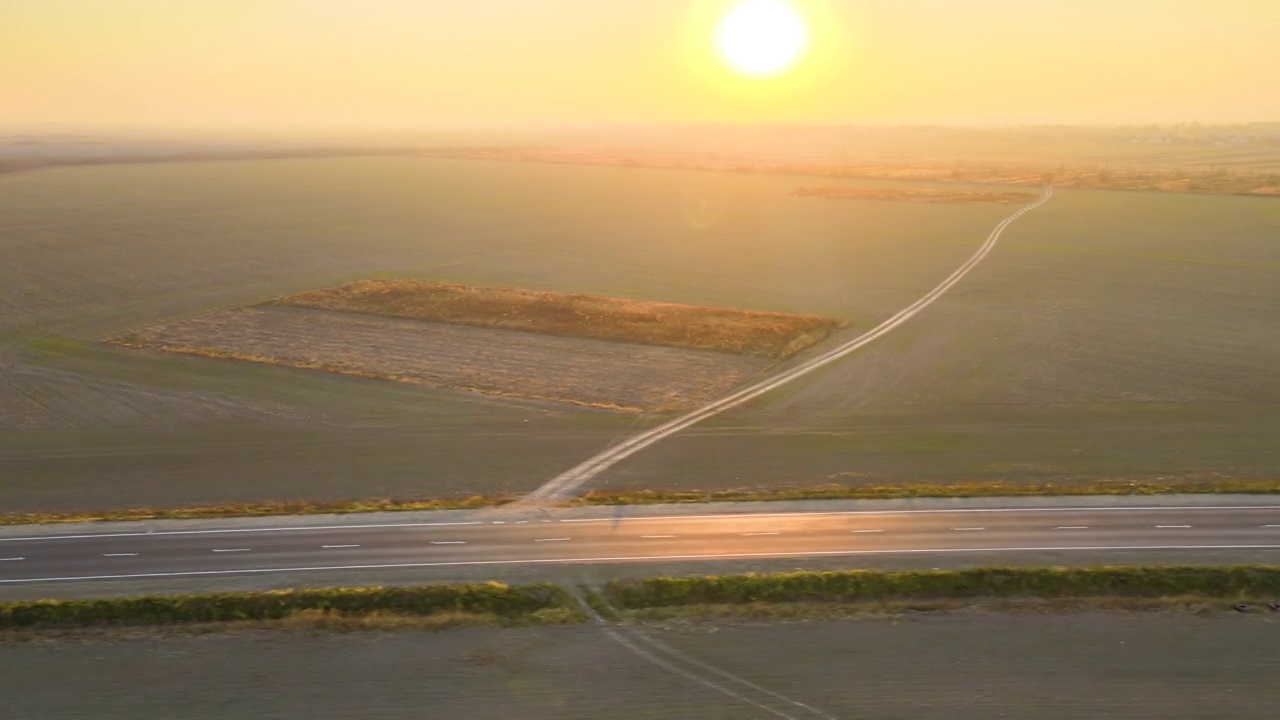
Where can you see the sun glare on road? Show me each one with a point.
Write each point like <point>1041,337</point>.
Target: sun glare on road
<point>762,38</point>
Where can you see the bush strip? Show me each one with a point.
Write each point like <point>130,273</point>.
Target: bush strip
<point>1216,582</point>
<point>496,599</point>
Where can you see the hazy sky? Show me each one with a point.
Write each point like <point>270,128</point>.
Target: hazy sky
<point>423,62</point>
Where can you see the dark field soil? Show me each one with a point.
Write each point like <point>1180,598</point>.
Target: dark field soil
<point>593,373</point>
<point>1135,666</point>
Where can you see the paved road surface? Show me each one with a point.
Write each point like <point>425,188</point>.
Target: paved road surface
<point>497,539</point>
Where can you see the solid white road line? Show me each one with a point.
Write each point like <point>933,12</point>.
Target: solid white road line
<point>336,547</point>
<point>119,554</point>
<point>233,550</point>
<point>566,483</point>
<point>642,558</point>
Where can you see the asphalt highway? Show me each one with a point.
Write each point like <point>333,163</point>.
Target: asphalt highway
<point>510,539</point>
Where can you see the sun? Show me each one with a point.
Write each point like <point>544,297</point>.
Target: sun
<point>762,38</point>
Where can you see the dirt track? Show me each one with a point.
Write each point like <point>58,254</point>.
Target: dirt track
<point>982,666</point>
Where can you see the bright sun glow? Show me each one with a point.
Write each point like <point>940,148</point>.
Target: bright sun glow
<point>761,38</point>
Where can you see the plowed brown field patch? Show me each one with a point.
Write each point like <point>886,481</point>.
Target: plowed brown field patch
<point>496,362</point>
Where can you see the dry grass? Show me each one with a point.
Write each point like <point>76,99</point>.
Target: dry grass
<point>927,490</point>
<point>915,195</point>
<point>264,509</point>
<point>763,334</point>
<point>662,497</point>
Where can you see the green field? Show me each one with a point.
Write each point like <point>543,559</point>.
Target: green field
<point>1110,335</point>
<point>1121,666</point>
<point>104,250</point>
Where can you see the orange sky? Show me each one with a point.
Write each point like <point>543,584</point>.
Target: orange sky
<point>424,62</point>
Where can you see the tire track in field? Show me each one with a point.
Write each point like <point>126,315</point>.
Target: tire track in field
<point>567,484</point>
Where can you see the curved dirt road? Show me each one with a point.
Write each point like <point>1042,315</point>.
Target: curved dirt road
<point>567,484</point>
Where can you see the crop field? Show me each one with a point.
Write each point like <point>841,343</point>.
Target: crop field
<point>99,252</point>
<point>1143,666</point>
<point>1109,336</point>
<point>591,373</point>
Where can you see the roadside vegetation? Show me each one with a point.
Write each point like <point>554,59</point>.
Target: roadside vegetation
<point>929,195</point>
<point>664,497</point>
<point>265,509</point>
<point>373,607</point>
<point>779,596</point>
<point>1238,584</point>
<point>763,334</point>
<point>993,488</point>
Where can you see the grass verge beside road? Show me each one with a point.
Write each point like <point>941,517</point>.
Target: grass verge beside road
<point>780,596</point>
<point>1134,586</point>
<point>664,497</point>
<point>998,488</point>
<point>337,607</point>
<point>263,509</point>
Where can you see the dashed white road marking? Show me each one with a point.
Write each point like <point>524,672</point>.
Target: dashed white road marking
<point>552,539</point>
<point>1172,527</point>
<point>750,534</point>
<point>119,554</point>
<point>865,531</point>
<point>448,542</point>
<point>1072,527</point>
<point>14,559</point>
<point>233,550</point>
<point>967,529</point>
<point>656,537</point>
<point>336,547</point>
<point>643,558</point>
<point>1271,526</point>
